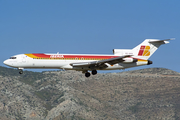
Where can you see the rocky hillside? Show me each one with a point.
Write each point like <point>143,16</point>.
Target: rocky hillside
<point>152,94</point>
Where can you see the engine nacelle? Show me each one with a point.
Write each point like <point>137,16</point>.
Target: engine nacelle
<point>129,60</point>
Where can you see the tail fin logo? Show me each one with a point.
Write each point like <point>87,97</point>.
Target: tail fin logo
<point>144,51</point>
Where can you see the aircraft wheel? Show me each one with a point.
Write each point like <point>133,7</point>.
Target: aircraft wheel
<point>87,74</point>
<point>21,72</point>
<point>94,72</point>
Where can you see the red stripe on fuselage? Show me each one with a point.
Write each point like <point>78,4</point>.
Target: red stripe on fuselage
<point>42,55</point>
<point>88,56</point>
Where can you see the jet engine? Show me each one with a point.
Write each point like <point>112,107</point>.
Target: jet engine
<point>129,60</point>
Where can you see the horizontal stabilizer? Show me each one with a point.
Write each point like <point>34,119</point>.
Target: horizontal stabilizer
<point>165,41</point>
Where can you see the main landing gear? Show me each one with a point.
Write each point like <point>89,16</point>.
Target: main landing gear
<point>94,72</point>
<point>87,74</point>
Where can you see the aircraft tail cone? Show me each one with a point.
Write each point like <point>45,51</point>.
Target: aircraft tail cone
<point>149,62</point>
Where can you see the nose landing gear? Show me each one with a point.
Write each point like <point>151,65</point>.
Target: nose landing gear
<point>20,71</point>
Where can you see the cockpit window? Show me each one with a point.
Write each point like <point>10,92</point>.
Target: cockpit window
<point>12,57</point>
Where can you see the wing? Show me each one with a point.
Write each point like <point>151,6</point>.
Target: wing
<point>100,64</point>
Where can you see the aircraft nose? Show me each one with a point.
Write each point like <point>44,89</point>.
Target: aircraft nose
<point>6,62</point>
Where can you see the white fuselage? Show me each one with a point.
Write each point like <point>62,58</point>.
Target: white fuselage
<point>63,61</point>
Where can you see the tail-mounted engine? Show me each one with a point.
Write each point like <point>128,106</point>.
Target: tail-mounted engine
<point>129,60</point>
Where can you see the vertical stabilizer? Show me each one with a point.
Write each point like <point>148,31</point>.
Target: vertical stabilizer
<point>148,47</point>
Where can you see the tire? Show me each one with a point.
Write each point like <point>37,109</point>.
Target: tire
<point>20,72</point>
<point>87,74</point>
<point>94,72</point>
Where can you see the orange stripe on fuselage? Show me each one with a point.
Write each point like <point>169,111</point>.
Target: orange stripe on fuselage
<point>31,55</point>
<point>142,60</point>
<point>61,56</point>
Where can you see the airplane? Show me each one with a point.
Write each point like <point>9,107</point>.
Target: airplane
<point>121,59</point>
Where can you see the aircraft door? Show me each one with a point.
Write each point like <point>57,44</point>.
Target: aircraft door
<point>23,59</point>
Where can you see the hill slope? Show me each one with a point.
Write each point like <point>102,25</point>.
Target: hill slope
<point>142,94</point>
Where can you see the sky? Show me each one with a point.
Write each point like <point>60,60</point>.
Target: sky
<point>90,27</point>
